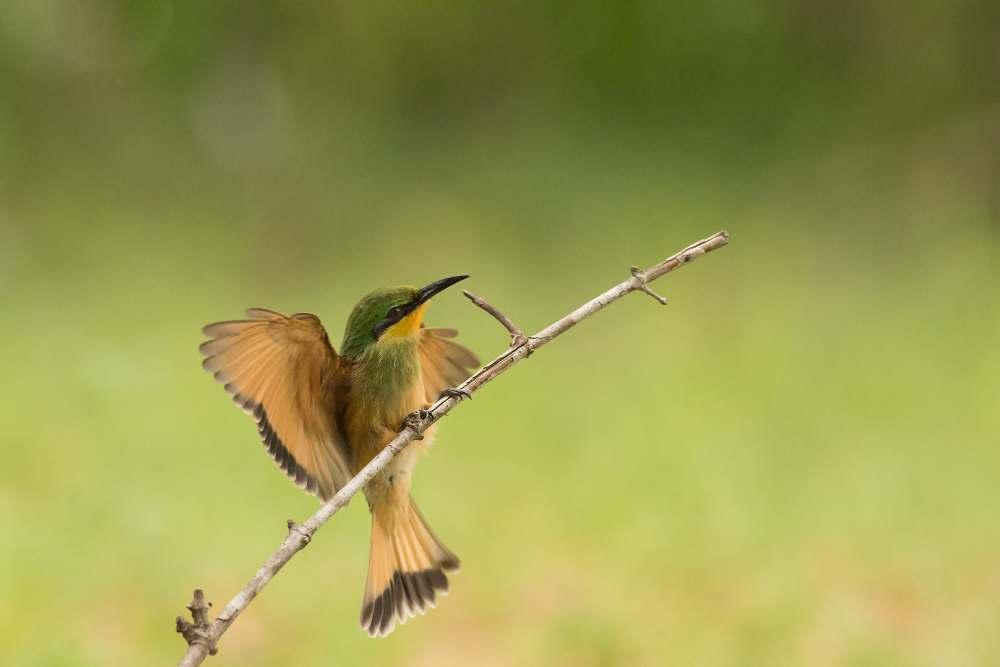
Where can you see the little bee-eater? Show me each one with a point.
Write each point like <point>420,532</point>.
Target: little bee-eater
<point>323,416</point>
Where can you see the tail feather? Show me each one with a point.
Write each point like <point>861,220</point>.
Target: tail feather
<point>406,569</point>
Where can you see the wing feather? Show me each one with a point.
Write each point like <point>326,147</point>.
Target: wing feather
<point>443,362</point>
<point>283,371</point>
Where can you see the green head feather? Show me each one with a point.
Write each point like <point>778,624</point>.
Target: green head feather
<point>383,308</point>
<point>374,309</point>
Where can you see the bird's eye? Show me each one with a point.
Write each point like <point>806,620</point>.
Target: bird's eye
<point>393,312</point>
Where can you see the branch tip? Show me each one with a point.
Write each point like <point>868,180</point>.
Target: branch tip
<point>517,337</point>
<point>198,632</point>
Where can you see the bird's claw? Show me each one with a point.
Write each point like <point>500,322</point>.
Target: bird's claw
<point>416,420</point>
<point>455,392</point>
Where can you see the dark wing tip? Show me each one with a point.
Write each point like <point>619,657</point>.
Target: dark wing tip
<point>276,448</point>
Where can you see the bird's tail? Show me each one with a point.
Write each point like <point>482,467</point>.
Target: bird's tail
<point>406,568</point>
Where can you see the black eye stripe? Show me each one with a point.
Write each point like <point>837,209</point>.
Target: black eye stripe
<point>392,316</point>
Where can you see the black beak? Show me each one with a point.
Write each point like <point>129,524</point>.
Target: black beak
<point>437,286</point>
<point>399,312</point>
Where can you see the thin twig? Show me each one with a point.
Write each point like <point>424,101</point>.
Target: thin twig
<point>300,535</point>
<point>640,275</point>
<point>516,335</point>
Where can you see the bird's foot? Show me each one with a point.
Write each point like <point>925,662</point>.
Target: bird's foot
<point>454,392</point>
<point>416,421</point>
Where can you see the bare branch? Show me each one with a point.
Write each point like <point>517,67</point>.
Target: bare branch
<point>640,275</point>
<point>202,644</point>
<point>516,335</point>
<point>199,632</point>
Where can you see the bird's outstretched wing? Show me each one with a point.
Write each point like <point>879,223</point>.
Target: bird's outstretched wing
<point>283,371</point>
<point>443,362</point>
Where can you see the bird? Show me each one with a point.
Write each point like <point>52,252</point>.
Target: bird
<point>323,415</point>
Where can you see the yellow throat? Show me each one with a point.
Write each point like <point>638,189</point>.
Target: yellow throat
<point>409,325</point>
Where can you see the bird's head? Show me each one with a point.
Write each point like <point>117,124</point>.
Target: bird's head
<point>389,314</point>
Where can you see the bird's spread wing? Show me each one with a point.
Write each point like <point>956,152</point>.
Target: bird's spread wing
<point>284,372</point>
<point>443,362</point>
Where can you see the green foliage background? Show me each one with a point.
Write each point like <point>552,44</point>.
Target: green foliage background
<point>795,463</point>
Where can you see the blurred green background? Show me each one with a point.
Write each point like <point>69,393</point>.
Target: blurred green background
<point>795,463</point>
